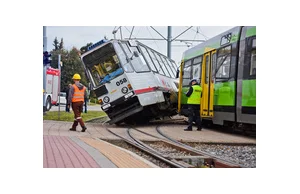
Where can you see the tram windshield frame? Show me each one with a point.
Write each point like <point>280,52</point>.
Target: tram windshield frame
<point>103,64</point>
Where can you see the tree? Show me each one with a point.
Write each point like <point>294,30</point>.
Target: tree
<point>71,63</point>
<point>55,44</point>
<point>61,44</point>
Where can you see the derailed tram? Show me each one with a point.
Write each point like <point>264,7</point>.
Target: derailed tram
<point>225,67</point>
<point>132,82</point>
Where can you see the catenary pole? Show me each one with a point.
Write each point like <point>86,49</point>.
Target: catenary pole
<point>59,69</point>
<point>169,41</point>
<point>44,69</point>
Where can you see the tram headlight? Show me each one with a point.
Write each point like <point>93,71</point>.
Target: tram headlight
<point>128,95</point>
<point>124,90</point>
<point>106,99</point>
<point>105,106</point>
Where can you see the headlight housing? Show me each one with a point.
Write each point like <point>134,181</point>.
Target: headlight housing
<point>124,90</point>
<point>106,99</point>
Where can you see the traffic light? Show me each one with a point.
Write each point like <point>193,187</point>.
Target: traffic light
<point>46,59</point>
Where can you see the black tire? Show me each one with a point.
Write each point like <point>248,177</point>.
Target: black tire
<point>48,103</point>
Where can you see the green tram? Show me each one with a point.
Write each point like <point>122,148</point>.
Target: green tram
<point>225,67</point>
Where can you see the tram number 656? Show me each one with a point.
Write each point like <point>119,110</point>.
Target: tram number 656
<point>122,81</point>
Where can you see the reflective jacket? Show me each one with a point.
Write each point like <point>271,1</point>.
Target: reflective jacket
<point>78,94</point>
<point>194,98</point>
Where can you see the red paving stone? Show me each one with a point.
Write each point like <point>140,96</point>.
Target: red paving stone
<point>62,152</point>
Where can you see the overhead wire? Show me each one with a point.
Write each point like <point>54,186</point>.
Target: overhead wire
<point>152,38</point>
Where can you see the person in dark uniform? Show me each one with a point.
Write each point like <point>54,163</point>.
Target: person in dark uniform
<point>194,96</point>
<point>67,98</point>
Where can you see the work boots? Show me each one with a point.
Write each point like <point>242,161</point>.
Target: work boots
<point>75,123</point>
<point>82,125</point>
<point>83,128</point>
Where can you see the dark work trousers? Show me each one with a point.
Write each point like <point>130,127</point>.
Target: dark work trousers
<point>194,115</point>
<point>67,107</point>
<point>77,109</point>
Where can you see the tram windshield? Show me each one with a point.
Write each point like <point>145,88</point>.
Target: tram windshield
<point>103,64</point>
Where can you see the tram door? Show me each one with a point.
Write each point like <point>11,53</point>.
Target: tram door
<point>207,84</point>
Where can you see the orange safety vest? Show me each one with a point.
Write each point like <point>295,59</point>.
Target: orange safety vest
<point>78,94</point>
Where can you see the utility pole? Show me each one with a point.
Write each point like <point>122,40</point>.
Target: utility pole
<point>44,70</point>
<point>59,82</point>
<point>169,41</point>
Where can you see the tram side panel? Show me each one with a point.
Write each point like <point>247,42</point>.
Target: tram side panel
<point>246,83</point>
<point>225,86</point>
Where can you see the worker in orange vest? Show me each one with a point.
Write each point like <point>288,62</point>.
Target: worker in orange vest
<point>77,93</point>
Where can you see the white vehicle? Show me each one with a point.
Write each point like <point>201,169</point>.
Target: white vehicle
<point>62,99</point>
<point>132,82</point>
<point>52,87</point>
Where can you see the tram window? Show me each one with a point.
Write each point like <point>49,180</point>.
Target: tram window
<point>187,63</point>
<point>169,66</point>
<point>163,66</point>
<point>207,68</point>
<point>253,58</point>
<point>197,60</point>
<point>106,69</point>
<point>197,68</point>
<point>223,71</point>
<point>173,65</point>
<point>146,54</point>
<point>126,49</point>
<point>196,72</point>
<point>187,69</point>
<point>126,65</point>
<point>214,63</point>
<point>160,70</point>
<point>223,62</point>
<point>139,64</point>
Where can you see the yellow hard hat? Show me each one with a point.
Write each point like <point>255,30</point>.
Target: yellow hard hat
<point>76,76</point>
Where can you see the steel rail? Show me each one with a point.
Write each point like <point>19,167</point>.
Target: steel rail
<point>144,149</point>
<point>231,164</point>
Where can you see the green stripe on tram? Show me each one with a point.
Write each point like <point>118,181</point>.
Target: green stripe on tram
<point>251,32</point>
<point>249,93</point>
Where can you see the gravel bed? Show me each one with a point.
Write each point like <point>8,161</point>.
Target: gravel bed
<point>168,150</point>
<point>240,154</point>
<point>144,155</point>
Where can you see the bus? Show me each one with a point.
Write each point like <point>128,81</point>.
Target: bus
<point>225,67</point>
<point>133,82</point>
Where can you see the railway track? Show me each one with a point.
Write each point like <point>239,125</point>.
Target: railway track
<point>211,160</point>
<point>165,142</point>
<point>146,149</point>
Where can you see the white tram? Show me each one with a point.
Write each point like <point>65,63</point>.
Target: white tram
<point>133,82</point>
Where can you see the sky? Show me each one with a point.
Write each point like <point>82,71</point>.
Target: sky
<point>78,36</point>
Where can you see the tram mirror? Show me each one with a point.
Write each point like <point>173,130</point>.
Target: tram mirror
<point>177,73</point>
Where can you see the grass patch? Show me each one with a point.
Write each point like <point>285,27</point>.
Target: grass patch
<point>64,116</point>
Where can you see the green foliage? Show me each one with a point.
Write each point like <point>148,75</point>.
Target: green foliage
<point>71,64</point>
<point>55,44</point>
<point>64,116</point>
